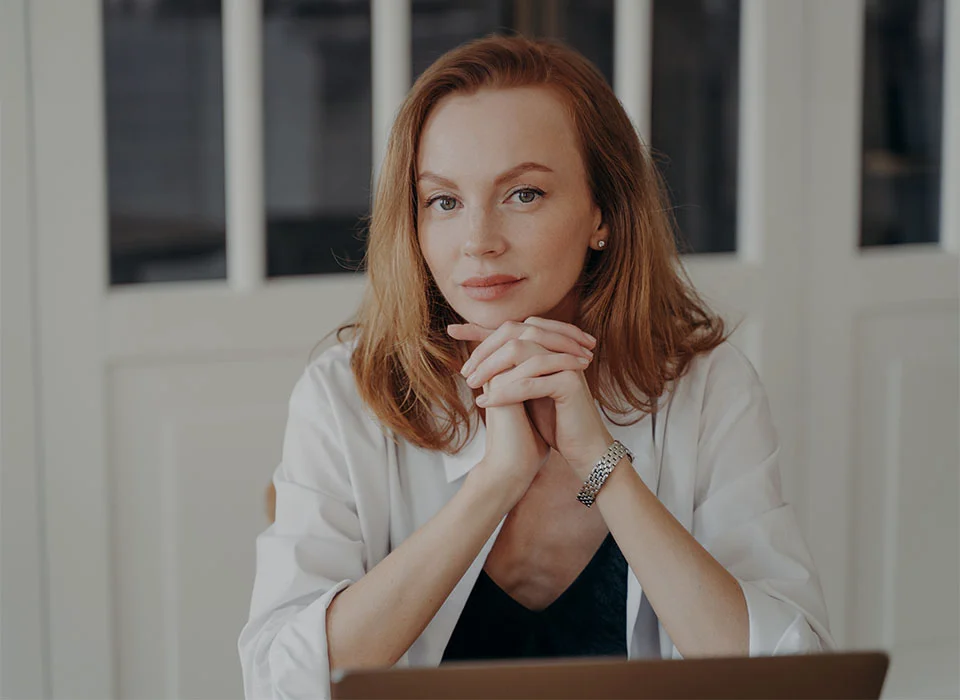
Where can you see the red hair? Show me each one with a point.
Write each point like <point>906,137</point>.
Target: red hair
<point>635,297</point>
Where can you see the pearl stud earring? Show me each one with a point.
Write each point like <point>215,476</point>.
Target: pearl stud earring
<point>601,243</point>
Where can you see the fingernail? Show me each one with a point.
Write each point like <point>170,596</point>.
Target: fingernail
<point>472,380</point>
<point>590,337</point>
<point>589,352</point>
<point>482,400</point>
<point>583,361</point>
<point>465,371</point>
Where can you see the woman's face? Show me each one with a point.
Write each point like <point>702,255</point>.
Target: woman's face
<point>503,195</point>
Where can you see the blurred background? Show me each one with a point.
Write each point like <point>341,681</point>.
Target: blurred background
<point>182,184</point>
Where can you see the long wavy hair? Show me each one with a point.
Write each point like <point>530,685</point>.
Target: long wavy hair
<point>635,296</point>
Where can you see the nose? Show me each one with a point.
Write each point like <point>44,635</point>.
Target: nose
<point>483,237</point>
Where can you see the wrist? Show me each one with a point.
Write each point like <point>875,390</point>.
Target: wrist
<point>497,493</point>
<point>592,455</point>
<point>612,457</point>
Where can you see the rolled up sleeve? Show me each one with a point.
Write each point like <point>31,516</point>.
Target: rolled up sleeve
<point>312,551</point>
<point>741,518</point>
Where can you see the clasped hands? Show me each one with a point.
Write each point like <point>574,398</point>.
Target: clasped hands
<point>540,363</point>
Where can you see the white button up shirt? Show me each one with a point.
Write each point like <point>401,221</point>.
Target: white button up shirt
<point>347,495</point>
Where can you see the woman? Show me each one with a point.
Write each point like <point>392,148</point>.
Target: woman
<point>537,441</point>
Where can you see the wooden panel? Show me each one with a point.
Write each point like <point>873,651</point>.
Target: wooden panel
<point>921,590</point>
<point>905,569</point>
<point>193,447</point>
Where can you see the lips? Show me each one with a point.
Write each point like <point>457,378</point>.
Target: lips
<point>490,281</point>
<point>491,288</point>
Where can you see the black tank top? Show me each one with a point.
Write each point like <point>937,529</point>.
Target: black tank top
<point>588,619</point>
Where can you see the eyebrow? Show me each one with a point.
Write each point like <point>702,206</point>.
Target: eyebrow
<point>503,177</point>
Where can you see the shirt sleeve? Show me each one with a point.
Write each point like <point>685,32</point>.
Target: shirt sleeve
<point>741,518</point>
<point>313,550</point>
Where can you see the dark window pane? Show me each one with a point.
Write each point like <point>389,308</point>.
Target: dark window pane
<point>164,137</point>
<point>440,25</point>
<point>317,140</point>
<point>695,116</point>
<point>587,25</point>
<point>902,122</point>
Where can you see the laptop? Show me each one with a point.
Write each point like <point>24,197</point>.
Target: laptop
<point>849,675</point>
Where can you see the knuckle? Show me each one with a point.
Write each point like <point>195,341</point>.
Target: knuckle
<point>513,349</point>
<point>532,333</point>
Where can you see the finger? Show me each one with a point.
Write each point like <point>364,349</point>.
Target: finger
<point>547,339</point>
<point>573,331</point>
<point>511,354</point>
<point>553,386</point>
<point>506,331</point>
<point>555,342</point>
<point>468,331</point>
<point>529,380</point>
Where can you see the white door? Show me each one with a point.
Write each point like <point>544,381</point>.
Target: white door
<point>882,331</point>
<point>162,404</point>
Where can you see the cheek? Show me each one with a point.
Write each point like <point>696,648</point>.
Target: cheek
<point>438,254</point>
<point>561,248</point>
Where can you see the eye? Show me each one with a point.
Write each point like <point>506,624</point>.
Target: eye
<point>447,203</point>
<point>528,195</point>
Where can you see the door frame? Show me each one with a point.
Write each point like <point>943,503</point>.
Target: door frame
<point>23,642</point>
<point>70,234</point>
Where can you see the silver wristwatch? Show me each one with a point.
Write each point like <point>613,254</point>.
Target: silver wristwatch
<point>591,487</point>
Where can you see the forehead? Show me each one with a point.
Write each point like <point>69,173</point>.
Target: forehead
<point>487,132</point>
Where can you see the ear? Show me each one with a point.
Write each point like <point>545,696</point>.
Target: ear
<point>601,231</point>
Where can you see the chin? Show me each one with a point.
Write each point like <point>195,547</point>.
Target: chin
<point>493,316</point>
<point>489,315</point>
<point>489,318</point>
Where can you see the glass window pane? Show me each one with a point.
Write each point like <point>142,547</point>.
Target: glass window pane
<point>163,82</point>
<point>695,113</point>
<point>317,140</point>
<point>902,122</point>
<point>440,25</point>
